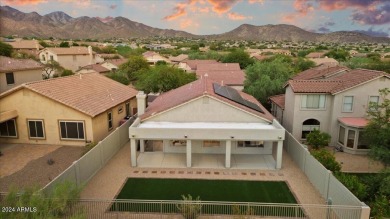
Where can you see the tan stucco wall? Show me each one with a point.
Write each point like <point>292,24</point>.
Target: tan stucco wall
<point>31,105</point>
<point>206,109</point>
<point>20,78</point>
<point>67,61</point>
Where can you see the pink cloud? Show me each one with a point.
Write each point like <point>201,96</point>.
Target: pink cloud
<point>179,11</point>
<point>222,6</point>
<point>188,23</point>
<point>23,2</point>
<point>256,1</point>
<point>302,8</point>
<point>236,16</point>
<point>331,5</point>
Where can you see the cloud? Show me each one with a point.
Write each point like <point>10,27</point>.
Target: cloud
<point>179,11</point>
<point>23,2</point>
<point>222,6</point>
<point>236,16</point>
<point>188,23</point>
<point>375,33</point>
<point>81,3</point>
<point>256,1</point>
<point>302,8</point>
<point>204,10</point>
<point>332,5</point>
<point>374,16</point>
<point>323,30</point>
<point>113,6</point>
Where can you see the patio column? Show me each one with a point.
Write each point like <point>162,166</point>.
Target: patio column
<point>279,151</point>
<point>133,152</point>
<point>228,153</point>
<point>189,151</point>
<point>142,145</point>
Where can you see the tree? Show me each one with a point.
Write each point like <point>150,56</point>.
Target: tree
<point>377,131</point>
<point>64,44</point>
<point>339,55</point>
<point>264,79</point>
<point>238,56</point>
<point>5,49</point>
<point>162,78</point>
<point>327,159</point>
<point>66,72</point>
<point>318,139</point>
<point>119,77</point>
<point>301,64</point>
<point>134,64</point>
<point>52,69</point>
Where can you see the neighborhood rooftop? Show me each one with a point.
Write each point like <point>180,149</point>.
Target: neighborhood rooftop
<point>9,64</point>
<point>26,44</point>
<point>76,50</point>
<point>194,63</point>
<point>89,93</point>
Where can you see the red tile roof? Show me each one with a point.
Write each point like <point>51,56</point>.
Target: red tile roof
<point>76,50</point>
<point>279,100</point>
<point>194,63</point>
<point>196,89</point>
<point>89,93</point>
<point>218,67</point>
<point>357,122</point>
<point>313,86</point>
<point>9,64</point>
<point>227,77</point>
<point>320,72</point>
<point>96,67</point>
<point>117,62</point>
<point>26,44</point>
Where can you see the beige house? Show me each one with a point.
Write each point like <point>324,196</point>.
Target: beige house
<point>152,57</point>
<point>73,110</point>
<point>324,61</point>
<point>14,72</point>
<point>71,58</point>
<point>334,100</point>
<point>223,122</point>
<point>31,47</point>
<point>191,65</point>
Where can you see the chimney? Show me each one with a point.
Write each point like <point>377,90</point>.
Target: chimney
<point>141,102</point>
<point>90,55</point>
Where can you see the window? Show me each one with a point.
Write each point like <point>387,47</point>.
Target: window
<point>109,118</point>
<point>313,101</point>
<point>308,126</point>
<point>373,102</point>
<point>8,129</point>
<point>127,105</point>
<point>348,103</point>
<point>10,78</point>
<point>36,129</point>
<point>341,135</point>
<point>120,109</point>
<point>362,141</point>
<point>250,144</point>
<point>351,138</point>
<point>178,143</point>
<point>211,143</point>
<point>51,58</point>
<point>72,130</point>
<point>43,58</point>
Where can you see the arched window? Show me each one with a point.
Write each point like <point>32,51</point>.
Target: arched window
<point>308,126</point>
<point>43,58</point>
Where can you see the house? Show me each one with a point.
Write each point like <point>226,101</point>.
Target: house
<point>224,73</point>
<point>152,57</point>
<point>178,59</point>
<point>324,61</point>
<point>73,110</point>
<point>332,99</point>
<point>31,47</point>
<point>191,65</point>
<point>222,122</point>
<point>113,64</point>
<point>316,55</point>
<point>94,68</point>
<point>71,58</point>
<point>14,72</point>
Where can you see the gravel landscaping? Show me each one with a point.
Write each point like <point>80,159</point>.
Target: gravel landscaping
<point>38,172</point>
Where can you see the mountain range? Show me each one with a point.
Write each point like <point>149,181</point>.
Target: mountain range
<point>60,25</point>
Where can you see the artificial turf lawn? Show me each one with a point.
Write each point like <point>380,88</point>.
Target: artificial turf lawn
<point>207,190</point>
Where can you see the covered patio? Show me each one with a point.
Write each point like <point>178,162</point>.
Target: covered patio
<point>208,144</point>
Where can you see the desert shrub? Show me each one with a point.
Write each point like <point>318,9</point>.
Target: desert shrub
<point>318,139</point>
<point>240,212</point>
<point>353,184</point>
<point>327,159</point>
<point>189,207</point>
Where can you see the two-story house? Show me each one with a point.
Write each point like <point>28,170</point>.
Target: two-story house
<point>332,99</point>
<point>71,58</point>
<point>14,72</point>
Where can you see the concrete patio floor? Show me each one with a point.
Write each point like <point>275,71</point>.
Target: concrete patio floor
<point>214,161</point>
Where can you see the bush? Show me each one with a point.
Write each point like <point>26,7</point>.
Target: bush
<point>327,159</point>
<point>190,209</point>
<point>380,207</point>
<point>318,139</point>
<point>353,184</point>
<point>66,72</point>
<point>89,147</point>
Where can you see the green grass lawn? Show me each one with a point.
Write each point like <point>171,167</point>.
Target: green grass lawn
<point>207,190</point>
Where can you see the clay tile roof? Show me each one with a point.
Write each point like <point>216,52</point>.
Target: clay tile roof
<point>26,44</point>
<point>149,53</point>
<point>218,67</point>
<point>313,86</point>
<point>96,67</point>
<point>279,100</point>
<point>76,50</point>
<point>320,72</point>
<point>179,58</point>
<point>196,89</point>
<point>194,63</point>
<point>117,62</point>
<point>227,77</point>
<point>9,64</point>
<point>110,56</point>
<point>357,122</point>
<point>90,93</point>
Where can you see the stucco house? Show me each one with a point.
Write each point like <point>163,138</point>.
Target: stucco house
<point>207,118</point>
<point>31,47</point>
<point>224,73</point>
<point>14,72</point>
<point>332,99</point>
<point>71,58</point>
<point>191,65</point>
<point>152,57</point>
<point>73,110</point>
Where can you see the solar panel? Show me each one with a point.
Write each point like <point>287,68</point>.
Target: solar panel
<point>233,95</point>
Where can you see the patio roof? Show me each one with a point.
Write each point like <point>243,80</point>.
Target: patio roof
<point>210,125</point>
<point>357,122</point>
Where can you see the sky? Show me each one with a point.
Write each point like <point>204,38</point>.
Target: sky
<point>219,16</point>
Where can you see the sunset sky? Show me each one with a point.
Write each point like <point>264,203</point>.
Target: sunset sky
<point>218,16</point>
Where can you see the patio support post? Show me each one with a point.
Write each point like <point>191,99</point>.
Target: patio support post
<point>228,153</point>
<point>189,151</point>
<point>133,152</point>
<point>279,151</point>
<point>142,145</point>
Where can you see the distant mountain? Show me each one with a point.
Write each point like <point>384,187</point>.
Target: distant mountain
<point>60,25</point>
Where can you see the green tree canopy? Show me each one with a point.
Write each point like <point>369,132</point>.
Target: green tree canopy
<point>52,69</point>
<point>64,44</point>
<point>339,55</point>
<point>238,56</point>
<point>5,49</point>
<point>134,64</point>
<point>162,78</point>
<point>377,131</point>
